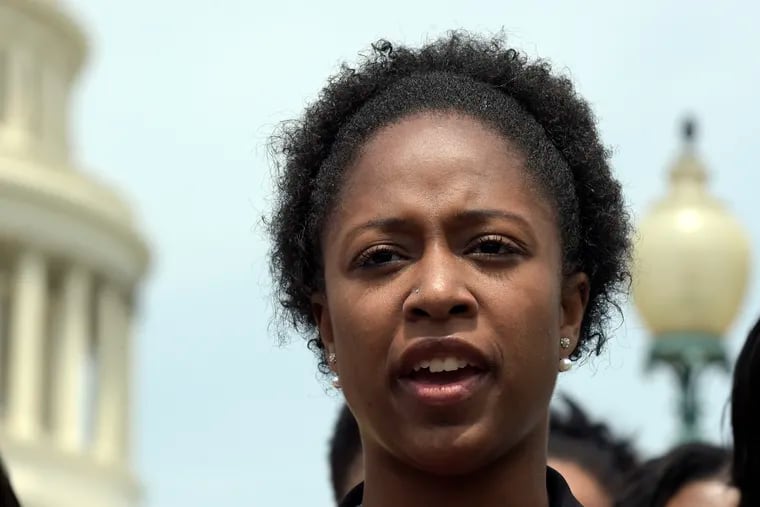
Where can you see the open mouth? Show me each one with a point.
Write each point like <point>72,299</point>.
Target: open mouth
<point>443,381</point>
<point>441,371</point>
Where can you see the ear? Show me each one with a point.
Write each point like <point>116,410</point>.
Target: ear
<point>575,293</point>
<point>321,313</point>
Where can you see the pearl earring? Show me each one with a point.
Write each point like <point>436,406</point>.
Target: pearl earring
<point>565,364</point>
<point>332,360</point>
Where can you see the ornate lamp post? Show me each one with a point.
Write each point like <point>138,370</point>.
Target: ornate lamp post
<point>691,269</point>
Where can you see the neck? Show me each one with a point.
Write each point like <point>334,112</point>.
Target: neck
<point>517,478</point>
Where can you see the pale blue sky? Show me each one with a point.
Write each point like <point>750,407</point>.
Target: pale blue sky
<point>175,108</point>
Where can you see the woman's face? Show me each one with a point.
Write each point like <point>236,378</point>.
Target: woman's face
<point>441,255</point>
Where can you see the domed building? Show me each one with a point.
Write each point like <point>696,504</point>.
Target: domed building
<point>71,261</point>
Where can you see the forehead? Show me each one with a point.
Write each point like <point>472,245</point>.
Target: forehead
<point>438,161</point>
<point>408,145</point>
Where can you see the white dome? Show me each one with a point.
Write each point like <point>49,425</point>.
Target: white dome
<point>71,262</point>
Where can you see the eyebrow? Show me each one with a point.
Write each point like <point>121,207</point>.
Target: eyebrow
<point>483,215</point>
<point>390,223</point>
<point>469,216</point>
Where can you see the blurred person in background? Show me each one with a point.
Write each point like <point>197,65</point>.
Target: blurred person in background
<point>745,420</point>
<point>591,459</point>
<point>448,233</point>
<point>345,456</point>
<point>691,475</point>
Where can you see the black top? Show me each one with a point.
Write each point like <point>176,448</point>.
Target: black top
<point>559,493</point>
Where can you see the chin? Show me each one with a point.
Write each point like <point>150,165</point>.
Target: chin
<point>447,452</point>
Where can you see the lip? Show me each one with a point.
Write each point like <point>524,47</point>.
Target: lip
<point>446,393</point>
<point>440,347</point>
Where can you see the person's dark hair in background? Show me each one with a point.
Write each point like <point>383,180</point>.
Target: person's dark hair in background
<point>346,470</point>
<point>7,496</point>
<point>745,419</point>
<point>691,475</point>
<point>593,461</point>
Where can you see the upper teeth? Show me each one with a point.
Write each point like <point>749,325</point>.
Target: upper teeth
<point>441,364</point>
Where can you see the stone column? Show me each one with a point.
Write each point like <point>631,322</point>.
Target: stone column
<point>16,106</point>
<point>3,341</point>
<point>70,361</point>
<point>25,379</point>
<point>4,83</point>
<point>110,413</point>
<point>125,381</point>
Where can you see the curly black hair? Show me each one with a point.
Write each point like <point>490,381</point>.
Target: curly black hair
<point>537,112</point>
<point>574,437</point>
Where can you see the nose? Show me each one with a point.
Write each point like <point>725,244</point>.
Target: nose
<point>441,292</point>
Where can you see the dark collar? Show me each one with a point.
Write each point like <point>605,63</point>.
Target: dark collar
<point>354,497</point>
<point>559,492</point>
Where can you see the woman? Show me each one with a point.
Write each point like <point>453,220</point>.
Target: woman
<point>745,419</point>
<point>449,234</point>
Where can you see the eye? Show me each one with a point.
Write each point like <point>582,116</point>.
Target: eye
<point>378,256</point>
<point>493,246</point>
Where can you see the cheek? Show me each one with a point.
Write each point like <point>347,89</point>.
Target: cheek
<point>529,317</point>
<point>362,330</point>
